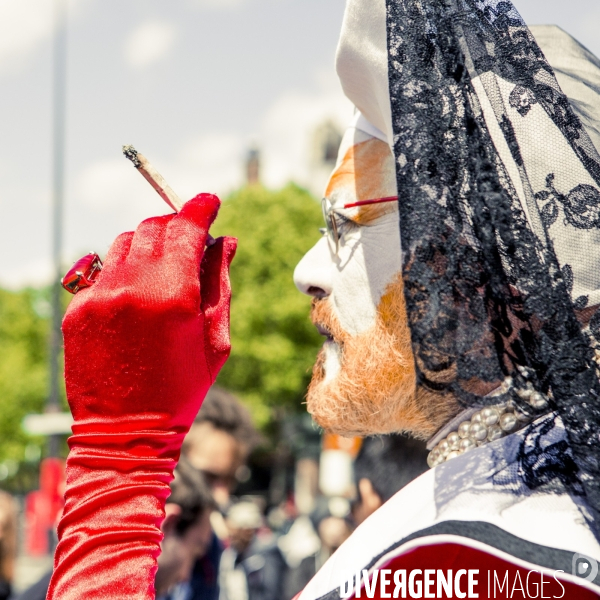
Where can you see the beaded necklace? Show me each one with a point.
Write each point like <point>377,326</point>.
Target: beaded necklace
<point>488,424</point>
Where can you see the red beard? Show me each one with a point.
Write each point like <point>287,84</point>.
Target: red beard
<point>374,391</point>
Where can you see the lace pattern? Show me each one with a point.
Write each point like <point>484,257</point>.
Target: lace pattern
<point>481,227</point>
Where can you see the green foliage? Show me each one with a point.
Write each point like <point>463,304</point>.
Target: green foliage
<point>24,326</point>
<point>274,343</point>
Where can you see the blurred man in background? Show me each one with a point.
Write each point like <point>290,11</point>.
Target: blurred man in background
<point>384,465</point>
<point>218,445</point>
<point>252,568</point>
<point>219,442</point>
<point>186,529</point>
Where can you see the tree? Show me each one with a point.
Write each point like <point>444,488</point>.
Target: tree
<point>24,327</point>
<point>274,344</point>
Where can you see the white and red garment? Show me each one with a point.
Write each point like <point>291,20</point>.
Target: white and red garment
<point>471,512</point>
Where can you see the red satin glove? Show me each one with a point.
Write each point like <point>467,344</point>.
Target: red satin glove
<point>142,347</point>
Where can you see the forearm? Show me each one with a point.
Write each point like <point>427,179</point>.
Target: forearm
<point>110,534</point>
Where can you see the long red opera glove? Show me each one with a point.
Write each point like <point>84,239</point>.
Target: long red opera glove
<point>142,346</point>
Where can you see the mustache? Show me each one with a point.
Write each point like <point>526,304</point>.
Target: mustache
<point>324,319</point>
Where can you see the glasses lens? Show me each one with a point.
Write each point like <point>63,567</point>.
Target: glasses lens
<point>330,223</point>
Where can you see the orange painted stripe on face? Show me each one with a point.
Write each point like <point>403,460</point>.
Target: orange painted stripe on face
<point>365,173</point>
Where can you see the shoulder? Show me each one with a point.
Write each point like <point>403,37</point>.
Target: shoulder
<point>475,504</point>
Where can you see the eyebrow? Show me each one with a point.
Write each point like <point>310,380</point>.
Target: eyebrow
<point>374,201</point>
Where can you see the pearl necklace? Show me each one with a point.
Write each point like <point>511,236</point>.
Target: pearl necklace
<point>488,424</point>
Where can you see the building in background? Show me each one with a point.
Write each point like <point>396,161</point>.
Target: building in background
<point>323,151</point>
<point>253,166</point>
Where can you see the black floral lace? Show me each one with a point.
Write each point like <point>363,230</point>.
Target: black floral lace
<point>581,205</point>
<point>484,288</point>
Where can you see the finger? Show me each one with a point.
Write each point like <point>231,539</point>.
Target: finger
<point>188,231</point>
<point>118,251</point>
<point>148,240</point>
<point>216,298</point>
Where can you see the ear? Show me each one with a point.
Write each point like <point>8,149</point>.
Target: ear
<point>172,514</point>
<point>370,499</point>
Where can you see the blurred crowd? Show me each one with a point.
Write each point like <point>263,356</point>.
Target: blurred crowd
<point>219,546</point>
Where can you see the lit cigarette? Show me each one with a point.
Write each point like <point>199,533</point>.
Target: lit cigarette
<point>156,180</point>
<point>153,177</point>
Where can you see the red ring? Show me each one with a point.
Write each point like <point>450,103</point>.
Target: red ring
<point>82,274</point>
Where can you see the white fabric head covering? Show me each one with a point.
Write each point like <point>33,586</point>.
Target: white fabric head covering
<point>577,71</point>
<point>362,63</point>
<point>362,66</point>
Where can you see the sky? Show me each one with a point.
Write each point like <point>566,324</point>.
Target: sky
<point>193,84</point>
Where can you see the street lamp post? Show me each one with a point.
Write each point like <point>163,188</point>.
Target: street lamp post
<point>58,178</point>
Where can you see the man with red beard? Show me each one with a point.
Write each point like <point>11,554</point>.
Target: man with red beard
<point>457,284</point>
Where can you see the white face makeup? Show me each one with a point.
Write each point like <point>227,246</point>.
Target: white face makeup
<point>368,259</point>
<point>364,379</point>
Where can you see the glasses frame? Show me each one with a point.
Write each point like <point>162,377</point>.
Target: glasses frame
<point>331,228</point>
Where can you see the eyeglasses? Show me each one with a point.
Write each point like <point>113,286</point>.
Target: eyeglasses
<point>331,227</point>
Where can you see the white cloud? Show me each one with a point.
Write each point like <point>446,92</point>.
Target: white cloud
<point>148,43</point>
<point>209,163</point>
<point>115,185</point>
<point>24,228</point>
<point>35,273</point>
<point>287,134</point>
<point>24,24</point>
<point>214,162</point>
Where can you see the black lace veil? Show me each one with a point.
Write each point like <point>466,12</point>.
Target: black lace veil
<point>498,183</point>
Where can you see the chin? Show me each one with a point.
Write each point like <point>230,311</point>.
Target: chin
<point>366,384</point>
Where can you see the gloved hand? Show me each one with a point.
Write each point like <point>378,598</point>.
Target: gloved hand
<point>142,347</point>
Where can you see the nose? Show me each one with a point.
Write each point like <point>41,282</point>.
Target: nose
<point>312,275</point>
